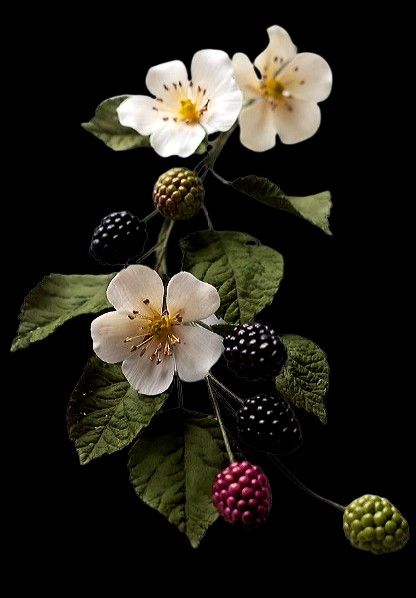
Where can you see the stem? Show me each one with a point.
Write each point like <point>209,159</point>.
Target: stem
<point>302,486</point>
<point>220,178</point>
<point>220,423</point>
<point>225,389</point>
<point>217,146</point>
<point>149,216</point>
<point>162,242</point>
<point>204,207</point>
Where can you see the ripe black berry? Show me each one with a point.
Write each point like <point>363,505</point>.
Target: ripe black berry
<point>267,423</point>
<point>254,351</point>
<point>118,238</point>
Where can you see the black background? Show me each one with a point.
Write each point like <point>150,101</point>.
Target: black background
<point>350,293</point>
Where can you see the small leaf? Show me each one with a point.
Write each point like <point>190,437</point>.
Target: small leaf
<point>304,381</point>
<point>172,467</point>
<point>313,208</point>
<point>246,273</point>
<point>106,126</point>
<point>56,299</point>
<point>105,413</point>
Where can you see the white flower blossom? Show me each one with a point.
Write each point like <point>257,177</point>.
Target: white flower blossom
<point>284,100</point>
<point>184,111</point>
<point>154,340</point>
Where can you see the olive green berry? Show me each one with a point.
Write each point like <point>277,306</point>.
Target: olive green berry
<point>373,523</point>
<point>178,194</point>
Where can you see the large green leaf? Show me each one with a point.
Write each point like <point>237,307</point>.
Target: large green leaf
<point>246,273</point>
<point>56,299</point>
<point>305,379</point>
<point>172,467</point>
<point>106,126</point>
<point>105,413</point>
<point>313,208</point>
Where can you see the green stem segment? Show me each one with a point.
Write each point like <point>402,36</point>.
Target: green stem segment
<point>290,476</point>
<point>162,245</point>
<point>220,422</point>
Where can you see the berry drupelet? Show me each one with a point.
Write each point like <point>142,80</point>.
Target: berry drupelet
<point>178,194</point>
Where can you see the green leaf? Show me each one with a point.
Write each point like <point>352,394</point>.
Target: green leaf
<point>56,299</point>
<point>313,208</point>
<point>106,126</point>
<point>304,381</point>
<point>246,273</point>
<point>105,413</point>
<point>172,467</point>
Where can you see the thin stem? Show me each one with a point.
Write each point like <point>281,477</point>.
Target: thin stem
<point>179,391</point>
<point>302,486</point>
<point>220,422</point>
<point>220,178</point>
<point>209,222</point>
<point>225,389</point>
<point>207,163</point>
<point>149,216</point>
<point>163,240</point>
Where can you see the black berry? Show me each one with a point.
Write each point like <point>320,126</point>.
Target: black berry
<point>254,351</point>
<point>267,422</point>
<point>118,238</point>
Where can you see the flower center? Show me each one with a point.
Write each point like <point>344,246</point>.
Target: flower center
<point>161,326</point>
<point>273,89</point>
<point>189,112</point>
<point>157,328</point>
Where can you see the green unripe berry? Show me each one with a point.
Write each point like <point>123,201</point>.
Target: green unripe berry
<point>178,194</point>
<point>372,523</point>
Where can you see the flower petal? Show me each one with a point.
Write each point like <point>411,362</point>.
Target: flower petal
<point>164,75</point>
<point>194,299</point>
<point>223,110</point>
<point>137,112</point>
<point>279,51</point>
<point>257,127</point>
<point>296,120</point>
<point>177,139</point>
<point>245,75</point>
<point>108,333</point>
<point>149,377</point>
<point>197,352</point>
<point>308,77</point>
<point>212,70</point>
<point>213,320</point>
<point>134,285</point>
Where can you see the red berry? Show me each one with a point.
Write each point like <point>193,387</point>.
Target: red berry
<point>242,495</point>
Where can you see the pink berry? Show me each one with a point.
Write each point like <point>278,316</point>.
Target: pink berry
<point>241,493</point>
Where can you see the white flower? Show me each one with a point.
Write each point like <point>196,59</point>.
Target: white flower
<point>151,340</point>
<point>284,100</point>
<point>183,112</point>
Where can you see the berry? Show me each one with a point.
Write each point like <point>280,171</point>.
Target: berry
<point>241,494</point>
<point>267,422</point>
<point>118,238</point>
<point>373,523</point>
<point>178,194</point>
<point>254,351</point>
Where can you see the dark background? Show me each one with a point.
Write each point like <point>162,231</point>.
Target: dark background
<point>349,293</point>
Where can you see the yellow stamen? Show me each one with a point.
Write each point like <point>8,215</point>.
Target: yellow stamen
<point>189,112</point>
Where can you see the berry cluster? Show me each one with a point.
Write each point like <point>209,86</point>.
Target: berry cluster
<point>242,495</point>
<point>178,194</point>
<point>373,523</point>
<point>268,423</point>
<point>118,238</point>
<point>254,351</point>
